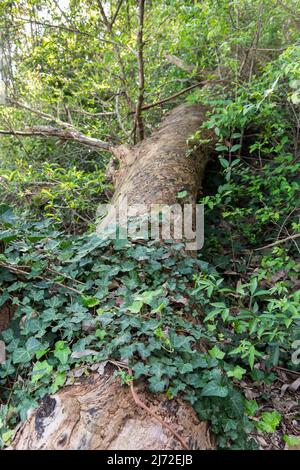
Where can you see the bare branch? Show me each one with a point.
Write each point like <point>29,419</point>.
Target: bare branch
<point>116,12</point>
<point>87,113</point>
<point>278,242</point>
<point>104,17</point>
<point>46,116</point>
<point>169,98</point>
<point>179,63</point>
<point>63,134</point>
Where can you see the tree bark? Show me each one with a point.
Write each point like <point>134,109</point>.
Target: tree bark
<point>158,168</point>
<point>97,412</point>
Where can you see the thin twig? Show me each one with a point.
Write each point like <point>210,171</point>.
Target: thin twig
<point>21,271</point>
<point>179,93</point>
<point>278,242</point>
<point>141,404</point>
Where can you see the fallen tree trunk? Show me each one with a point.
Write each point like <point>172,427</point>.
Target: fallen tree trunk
<point>154,171</point>
<point>99,413</point>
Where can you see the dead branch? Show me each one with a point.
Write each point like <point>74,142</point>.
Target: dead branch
<point>179,93</point>
<point>142,405</point>
<point>180,63</point>
<point>46,116</point>
<point>62,134</point>
<point>278,242</point>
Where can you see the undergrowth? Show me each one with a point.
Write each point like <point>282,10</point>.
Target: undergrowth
<point>207,329</point>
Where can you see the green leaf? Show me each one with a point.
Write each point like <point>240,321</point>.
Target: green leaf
<point>216,353</point>
<point>100,334</point>
<point>292,441</point>
<point>237,372</point>
<point>59,380</point>
<point>140,369</point>
<point>186,368</point>
<point>89,302</point>
<point>235,147</point>
<point>182,194</point>
<point>21,356</point>
<point>136,306</point>
<point>253,285</point>
<point>251,356</point>
<point>251,407</point>
<point>6,436</point>
<point>221,148</point>
<point>62,352</point>
<point>269,421</point>
<point>33,345</point>
<point>213,389</point>
<point>40,369</point>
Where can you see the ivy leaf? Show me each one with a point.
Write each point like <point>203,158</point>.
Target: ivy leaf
<point>136,306</point>
<point>237,372</point>
<point>39,370</point>
<point>216,353</point>
<point>251,407</point>
<point>182,194</point>
<point>157,385</point>
<point>89,302</point>
<point>292,441</point>
<point>269,421</point>
<point>33,345</point>
<point>59,380</point>
<point>140,369</point>
<point>213,389</point>
<point>186,368</point>
<point>21,356</point>
<point>62,352</point>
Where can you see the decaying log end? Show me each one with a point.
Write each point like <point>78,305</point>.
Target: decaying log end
<point>98,413</point>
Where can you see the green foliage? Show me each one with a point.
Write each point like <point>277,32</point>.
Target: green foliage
<point>269,421</point>
<point>57,283</point>
<point>189,327</point>
<point>67,195</point>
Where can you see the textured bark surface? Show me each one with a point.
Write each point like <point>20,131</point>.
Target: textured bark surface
<point>100,414</point>
<point>158,168</point>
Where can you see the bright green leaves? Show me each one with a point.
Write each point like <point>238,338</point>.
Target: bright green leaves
<point>182,194</point>
<point>216,353</point>
<point>146,298</point>
<point>89,302</point>
<point>251,407</point>
<point>269,421</point>
<point>59,380</point>
<point>237,372</point>
<point>62,352</point>
<point>136,306</point>
<point>292,441</point>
